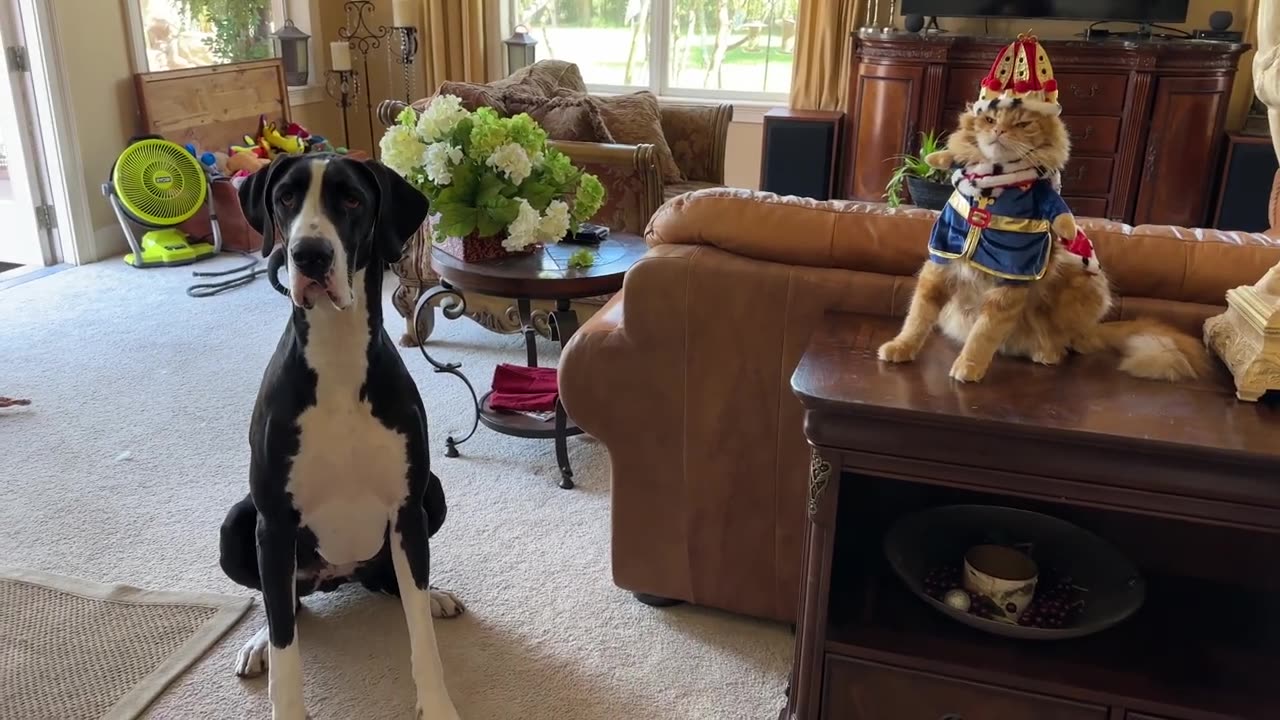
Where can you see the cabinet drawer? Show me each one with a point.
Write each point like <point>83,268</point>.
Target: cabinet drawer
<point>1078,93</point>
<point>1138,716</point>
<point>1087,207</point>
<point>859,690</point>
<point>1093,134</point>
<point>1087,176</point>
<point>1092,94</point>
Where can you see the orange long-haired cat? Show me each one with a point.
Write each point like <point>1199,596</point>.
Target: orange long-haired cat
<point>997,280</point>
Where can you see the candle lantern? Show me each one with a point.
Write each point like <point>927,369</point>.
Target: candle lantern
<point>520,49</point>
<point>293,48</point>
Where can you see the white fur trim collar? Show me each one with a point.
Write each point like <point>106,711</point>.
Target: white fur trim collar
<point>993,178</point>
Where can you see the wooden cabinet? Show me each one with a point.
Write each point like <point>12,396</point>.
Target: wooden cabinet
<point>1181,158</point>
<point>858,690</point>
<point>1145,118</point>
<point>888,113</point>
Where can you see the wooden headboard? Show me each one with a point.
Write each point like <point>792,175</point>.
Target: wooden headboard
<point>212,107</point>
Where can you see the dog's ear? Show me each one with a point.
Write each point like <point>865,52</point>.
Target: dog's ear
<point>402,208</point>
<point>255,201</point>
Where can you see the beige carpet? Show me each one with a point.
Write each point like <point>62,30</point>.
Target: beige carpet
<point>78,649</point>
<point>135,445</point>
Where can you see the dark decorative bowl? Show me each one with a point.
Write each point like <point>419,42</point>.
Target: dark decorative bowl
<point>925,540</point>
<point>929,194</point>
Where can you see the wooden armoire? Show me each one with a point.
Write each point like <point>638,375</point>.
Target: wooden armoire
<point>1146,117</point>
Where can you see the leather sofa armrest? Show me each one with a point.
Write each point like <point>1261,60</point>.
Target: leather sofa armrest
<point>1273,208</point>
<point>698,136</point>
<point>631,179</point>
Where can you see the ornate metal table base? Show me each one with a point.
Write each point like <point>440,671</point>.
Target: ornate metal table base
<point>560,325</point>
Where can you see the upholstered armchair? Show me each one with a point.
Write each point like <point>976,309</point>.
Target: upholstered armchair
<point>633,187</point>
<point>698,136</point>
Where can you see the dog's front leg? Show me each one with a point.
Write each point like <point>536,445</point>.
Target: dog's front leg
<point>411,557</point>
<point>278,566</point>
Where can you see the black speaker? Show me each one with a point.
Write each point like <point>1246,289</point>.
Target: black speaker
<point>800,152</point>
<point>1247,175</point>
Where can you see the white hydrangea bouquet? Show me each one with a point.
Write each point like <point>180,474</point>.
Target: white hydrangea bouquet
<point>488,176</point>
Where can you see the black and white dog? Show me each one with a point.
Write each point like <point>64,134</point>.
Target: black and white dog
<point>340,483</point>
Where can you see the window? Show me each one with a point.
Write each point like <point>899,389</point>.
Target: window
<point>175,34</point>
<point>694,48</point>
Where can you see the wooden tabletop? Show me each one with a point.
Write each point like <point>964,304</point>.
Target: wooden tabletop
<point>545,274</point>
<point>1081,421</point>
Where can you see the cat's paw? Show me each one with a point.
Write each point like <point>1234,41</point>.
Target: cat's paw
<point>898,351</point>
<point>967,370</point>
<point>941,159</point>
<point>1049,356</point>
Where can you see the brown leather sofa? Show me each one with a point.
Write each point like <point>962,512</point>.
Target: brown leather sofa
<point>684,376</point>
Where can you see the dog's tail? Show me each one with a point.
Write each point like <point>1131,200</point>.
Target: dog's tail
<point>1156,351</point>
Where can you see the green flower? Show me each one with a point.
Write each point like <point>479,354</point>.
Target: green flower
<point>557,168</point>
<point>408,117</point>
<point>582,258</point>
<point>488,133</point>
<point>589,199</point>
<point>525,132</point>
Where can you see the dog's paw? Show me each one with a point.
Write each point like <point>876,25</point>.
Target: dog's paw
<point>966,370</point>
<point>897,351</point>
<point>441,709</point>
<point>444,604</point>
<point>251,661</point>
<point>1049,356</point>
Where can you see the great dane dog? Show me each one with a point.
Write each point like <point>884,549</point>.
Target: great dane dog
<point>340,481</point>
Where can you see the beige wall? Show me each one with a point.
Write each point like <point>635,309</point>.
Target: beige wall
<point>742,158</point>
<point>94,46</point>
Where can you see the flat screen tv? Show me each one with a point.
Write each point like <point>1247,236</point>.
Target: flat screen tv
<point>1148,11</point>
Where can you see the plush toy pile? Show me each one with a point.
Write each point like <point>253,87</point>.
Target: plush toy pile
<point>259,149</point>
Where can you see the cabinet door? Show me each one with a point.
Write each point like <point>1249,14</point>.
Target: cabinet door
<point>884,117</point>
<point>1181,154</point>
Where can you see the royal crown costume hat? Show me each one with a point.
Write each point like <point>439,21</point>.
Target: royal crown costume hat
<point>1021,76</point>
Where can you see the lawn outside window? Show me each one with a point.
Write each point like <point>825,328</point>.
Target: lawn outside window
<point>706,49</point>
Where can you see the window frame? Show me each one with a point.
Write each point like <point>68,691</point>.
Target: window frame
<point>659,78</point>
<point>304,13</point>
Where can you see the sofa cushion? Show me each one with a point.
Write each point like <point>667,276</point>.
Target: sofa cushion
<point>566,117</point>
<point>544,77</point>
<point>635,119</point>
<point>475,95</point>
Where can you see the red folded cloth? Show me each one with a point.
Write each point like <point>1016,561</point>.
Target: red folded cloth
<point>517,388</point>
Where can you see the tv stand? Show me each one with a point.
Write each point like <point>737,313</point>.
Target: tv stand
<point>1146,117</point>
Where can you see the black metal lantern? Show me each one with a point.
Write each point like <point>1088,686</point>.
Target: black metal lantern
<point>520,49</point>
<point>293,49</point>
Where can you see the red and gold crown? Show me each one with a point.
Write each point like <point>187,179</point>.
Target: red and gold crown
<point>1020,76</point>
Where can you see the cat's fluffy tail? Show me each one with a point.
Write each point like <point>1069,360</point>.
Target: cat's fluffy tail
<point>1156,351</point>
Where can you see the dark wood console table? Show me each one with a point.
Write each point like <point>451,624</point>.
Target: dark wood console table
<point>1146,117</point>
<point>1183,479</point>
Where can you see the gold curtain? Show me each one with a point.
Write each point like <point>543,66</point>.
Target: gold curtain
<point>453,42</point>
<point>824,45</point>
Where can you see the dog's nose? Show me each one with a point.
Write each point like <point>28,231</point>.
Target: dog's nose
<point>313,257</point>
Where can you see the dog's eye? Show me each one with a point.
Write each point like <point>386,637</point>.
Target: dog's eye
<point>351,202</point>
<point>1024,124</point>
<point>288,198</point>
<point>989,120</point>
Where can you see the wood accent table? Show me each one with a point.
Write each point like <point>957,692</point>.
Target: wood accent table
<point>543,274</point>
<point>1145,117</point>
<point>1183,479</point>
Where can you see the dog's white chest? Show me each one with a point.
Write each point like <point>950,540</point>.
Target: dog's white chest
<point>350,473</point>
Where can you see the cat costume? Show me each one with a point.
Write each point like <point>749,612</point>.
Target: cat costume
<point>999,219</point>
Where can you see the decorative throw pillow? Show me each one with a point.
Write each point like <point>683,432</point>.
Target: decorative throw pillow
<point>475,95</point>
<point>634,119</point>
<point>545,77</point>
<point>567,117</point>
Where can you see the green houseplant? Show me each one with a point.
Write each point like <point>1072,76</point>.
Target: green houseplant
<point>929,187</point>
<point>495,185</point>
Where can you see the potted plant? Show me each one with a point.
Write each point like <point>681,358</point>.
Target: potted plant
<point>929,187</point>
<point>496,186</point>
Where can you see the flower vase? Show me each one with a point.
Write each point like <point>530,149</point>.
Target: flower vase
<point>475,249</point>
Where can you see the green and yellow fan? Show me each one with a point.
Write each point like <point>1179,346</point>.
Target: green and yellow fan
<point>159,185</point>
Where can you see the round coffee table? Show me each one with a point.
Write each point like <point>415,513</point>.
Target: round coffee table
<point>543,274</point>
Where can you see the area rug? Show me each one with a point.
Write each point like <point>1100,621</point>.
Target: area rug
<point>73,649</point>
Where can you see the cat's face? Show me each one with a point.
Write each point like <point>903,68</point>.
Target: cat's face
<point>1007,135</point>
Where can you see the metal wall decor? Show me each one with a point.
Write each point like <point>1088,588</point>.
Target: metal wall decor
<point>364,39</point>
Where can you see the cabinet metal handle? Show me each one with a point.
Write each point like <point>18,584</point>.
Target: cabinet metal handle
<point>1076,177</point>
<point>1093,90</point>
<point>1149,167</point>
<point>1088,133</point>
<point>951,716</point>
